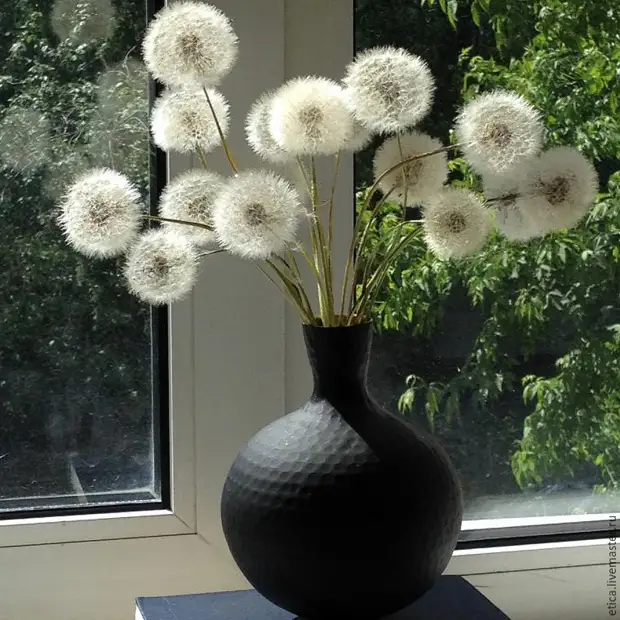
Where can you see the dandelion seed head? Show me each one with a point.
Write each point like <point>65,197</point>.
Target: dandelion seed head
<point>309,116</point>
<point>257,214</point>
<point>190,43</point>
<point>560,187</point>
<point>418,180</point>
<point>101,213</point>
<point>190,197</point>
<point>258,132</point>
<point>456,223</point>
<point>511,213</point>
<point>389,89</point>
<point>499,131</point>
<point>161,267</point>
<point>360,138</point>
<point>182,120</point>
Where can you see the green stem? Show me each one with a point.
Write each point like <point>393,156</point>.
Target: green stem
<point>295,276</point>
<point>211,252</point>
<point>330,231</point>
<point>373,255</point>
<point>157,218</point>
<point>220,132</point>
<point>362,242</point>
<point>280,290</point>
<point>329,318</point>
<point>374,188</point>
<point>330,226</point>
<point>363,305</point>
<point>201,156</point>
<point>404,162</point>
<point>304,174</point>
<point>293,292</point>
<point>405,178</point>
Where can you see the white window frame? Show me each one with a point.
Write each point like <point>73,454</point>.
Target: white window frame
<point>237,362</point>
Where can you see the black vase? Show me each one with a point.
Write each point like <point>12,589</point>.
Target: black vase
<point>341,509</point>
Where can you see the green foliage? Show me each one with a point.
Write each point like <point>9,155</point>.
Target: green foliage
<point>75,348</point>
<point>582,405</point>
<point>532,316</point>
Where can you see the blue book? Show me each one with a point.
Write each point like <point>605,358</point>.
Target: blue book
<point>452,598</point>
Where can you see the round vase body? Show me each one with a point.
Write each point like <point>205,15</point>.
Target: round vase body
<point>341,509</point>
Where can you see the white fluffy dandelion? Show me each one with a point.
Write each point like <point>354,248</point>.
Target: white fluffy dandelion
<point>258,132</point>
<point>389,89</point>
<point>190,197</point>
<point>498,131</point>
<point>101,213</point>
<point>83,22</point>
<point>190,43</point>
<point>25,138</point>
<point>510,208</point>
<point>161,267</point>
<point>559,189</point>
<point>418,180</point>
<point>309,116</point>
<point>182,120</point>
<point>456,223</point>
<point>360,138</point>
<point>257,214</point>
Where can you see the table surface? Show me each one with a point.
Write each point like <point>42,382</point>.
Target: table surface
<point>452,598</point>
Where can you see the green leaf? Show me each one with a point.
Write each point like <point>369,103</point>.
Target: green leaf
<point>453,7</point>
<point>475,14</point>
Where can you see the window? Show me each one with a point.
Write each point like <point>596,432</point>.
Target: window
<point>230,374</point>
<point>511,357</point>
<point>81,422</point>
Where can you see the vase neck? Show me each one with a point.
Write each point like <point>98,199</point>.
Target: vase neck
<point>339,358</point>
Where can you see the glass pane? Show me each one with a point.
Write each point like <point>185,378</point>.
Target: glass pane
<point>76,373</point>
<point>512,357</point>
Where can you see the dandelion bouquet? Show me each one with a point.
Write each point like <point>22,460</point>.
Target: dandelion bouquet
<point>258,215</point>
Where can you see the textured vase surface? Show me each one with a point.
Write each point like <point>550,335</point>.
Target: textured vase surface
<point>341,509</point>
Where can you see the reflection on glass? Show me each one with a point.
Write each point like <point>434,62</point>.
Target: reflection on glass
<point>75,353</point>
<point>513,357</point>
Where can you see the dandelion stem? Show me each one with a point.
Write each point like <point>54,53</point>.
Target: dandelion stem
<point>375,252</point>
<point>314,261</point>
<point>297,271</point>
<point>304,174</point>
<point>369,195</point>
<point>499,198</point>
<point>201,156</point>
<point>157,218</point>
<point>352,262</point>
<point>295,276</point>
<point>294,294</point>
<point>404,162</point>
<point>282,291</point>
<point>229,156</point>
<point>363,307</point>
<point>211,252</point>
<point>329,317</point>
<point>330,224</point>
<point>405,178</point>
